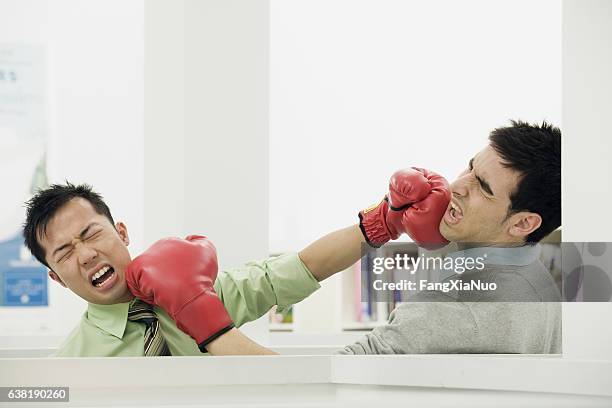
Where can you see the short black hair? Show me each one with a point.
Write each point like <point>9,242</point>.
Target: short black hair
<point>535,152</point>
<point>44,205</point>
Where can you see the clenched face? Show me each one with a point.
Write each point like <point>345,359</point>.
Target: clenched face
<point>87,254</point>
<point>478,211</point>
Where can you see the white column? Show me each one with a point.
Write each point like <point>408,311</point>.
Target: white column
<point>206,130</point>
<point>164,119</point>
<point>587,148</point>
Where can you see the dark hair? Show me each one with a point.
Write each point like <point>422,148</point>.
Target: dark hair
<point>535,152</point>
<point>45,204</point>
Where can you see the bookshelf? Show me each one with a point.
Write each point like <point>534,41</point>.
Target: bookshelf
<point>281,327</point>
<point>335,308</point>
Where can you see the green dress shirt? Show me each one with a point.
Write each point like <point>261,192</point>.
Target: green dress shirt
<point>247,292</point>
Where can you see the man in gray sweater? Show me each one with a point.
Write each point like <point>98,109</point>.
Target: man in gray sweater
<point>507,200</point>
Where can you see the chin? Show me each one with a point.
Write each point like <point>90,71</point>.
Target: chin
<point>122,294</point>
<point>447,233</point>
<point>109,301</point>
<point>119,294</point>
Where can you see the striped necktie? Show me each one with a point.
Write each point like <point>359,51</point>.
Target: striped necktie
<point>154,344</point>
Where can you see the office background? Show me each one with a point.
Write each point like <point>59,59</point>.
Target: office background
<point>293,114</point>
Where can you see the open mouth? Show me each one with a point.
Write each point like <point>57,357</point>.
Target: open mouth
<point>101,277</point>
<point>454,214</point>
<point>455,211</point>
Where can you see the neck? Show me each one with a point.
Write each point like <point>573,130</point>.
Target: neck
<point>506,244</point>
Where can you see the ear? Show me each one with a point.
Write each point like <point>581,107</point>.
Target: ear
<point>56,278</point>
<point>123,233</point>
<point>524,223</point>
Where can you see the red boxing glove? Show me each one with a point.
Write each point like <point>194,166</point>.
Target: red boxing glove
<point>415,205</point>
<point>178,275</point>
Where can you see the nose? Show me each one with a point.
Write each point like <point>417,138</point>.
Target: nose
<point>86,255</point>
<point>462,186</point>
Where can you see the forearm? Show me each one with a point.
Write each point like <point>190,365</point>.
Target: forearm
<point>248,292</point>
<point>333,253</point>
<point>234,343</point>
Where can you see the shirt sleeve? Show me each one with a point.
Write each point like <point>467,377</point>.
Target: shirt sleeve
<point>250,291</point>
<point>421,328</point>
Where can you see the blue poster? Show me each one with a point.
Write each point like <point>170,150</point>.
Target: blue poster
<point>23,280</point>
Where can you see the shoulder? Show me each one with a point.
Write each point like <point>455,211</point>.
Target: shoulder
<point>88,340</point>
<point>530,283</point>
<point>74,344</point>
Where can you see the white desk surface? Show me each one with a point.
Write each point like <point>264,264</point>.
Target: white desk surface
<point>320,380</point>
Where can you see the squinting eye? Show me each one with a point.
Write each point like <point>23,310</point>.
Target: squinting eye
<point>66,256</point>
<point>95,234</point>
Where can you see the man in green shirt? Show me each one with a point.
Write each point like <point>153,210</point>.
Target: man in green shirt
<point>71,230</point>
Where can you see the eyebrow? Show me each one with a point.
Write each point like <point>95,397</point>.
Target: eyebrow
<point>485,186</point>
<point>81,236</point>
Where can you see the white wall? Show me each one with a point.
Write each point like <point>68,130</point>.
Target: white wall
<point>24,23</point>
<point>94,118</point>
<point>95,113</point>
<point>587,191</point>
<point>359,89</point>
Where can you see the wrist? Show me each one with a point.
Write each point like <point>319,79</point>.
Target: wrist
<point>373,225</point>
<point>204,319</point>
<point>204,344</point>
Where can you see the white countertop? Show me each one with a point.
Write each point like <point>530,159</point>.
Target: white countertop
<point>319,380</point>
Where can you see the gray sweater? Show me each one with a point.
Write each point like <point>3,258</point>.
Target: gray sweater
<point>522,316</point>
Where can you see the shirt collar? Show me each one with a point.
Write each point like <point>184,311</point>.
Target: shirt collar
<point>515,256</point>
<point>509,256</point>
<point>110,318</point>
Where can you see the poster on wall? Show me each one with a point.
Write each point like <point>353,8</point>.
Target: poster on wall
<point>23,280</point>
